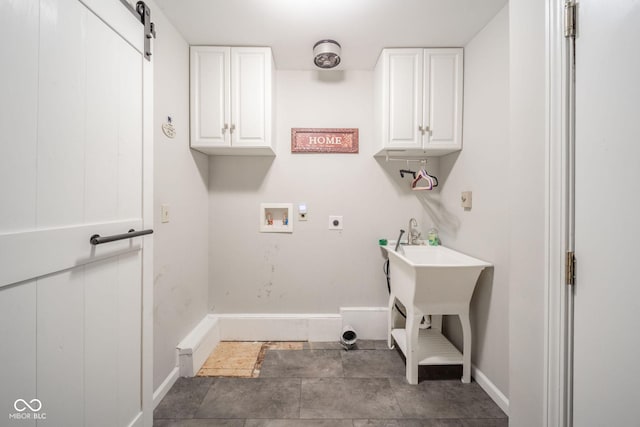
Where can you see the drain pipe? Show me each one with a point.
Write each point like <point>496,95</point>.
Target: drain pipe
<point>348,338</point>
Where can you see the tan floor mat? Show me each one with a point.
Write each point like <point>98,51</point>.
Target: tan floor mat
<point>241,359</point>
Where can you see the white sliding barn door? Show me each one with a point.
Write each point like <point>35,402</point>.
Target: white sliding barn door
<point>73,316</point>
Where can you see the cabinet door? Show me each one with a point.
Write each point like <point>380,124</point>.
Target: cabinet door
<point>210,98</point>
<point>443,98</point>
<point>402,98</point>
<point>251,83</point>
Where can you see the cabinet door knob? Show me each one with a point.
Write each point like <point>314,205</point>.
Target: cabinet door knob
<point>421,129</point>
<point>232,128</point>
<point>224,129</point>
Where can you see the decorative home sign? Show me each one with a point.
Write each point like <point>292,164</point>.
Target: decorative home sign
<point>324,140</point>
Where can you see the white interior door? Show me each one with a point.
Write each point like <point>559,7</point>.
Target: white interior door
<point>607,292</point>
<point>71,165</point>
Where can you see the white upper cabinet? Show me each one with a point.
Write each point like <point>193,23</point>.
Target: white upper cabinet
<point>210,96</point>
<point>231,100</point>
<point>419,101</point>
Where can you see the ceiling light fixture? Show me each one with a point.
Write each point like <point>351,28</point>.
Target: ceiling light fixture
<point>326,54</point>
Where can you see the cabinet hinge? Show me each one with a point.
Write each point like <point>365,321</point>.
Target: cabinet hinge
<point>570,268</point>
<point>570,19</point>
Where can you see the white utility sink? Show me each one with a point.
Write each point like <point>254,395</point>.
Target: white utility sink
<point>431,280</point>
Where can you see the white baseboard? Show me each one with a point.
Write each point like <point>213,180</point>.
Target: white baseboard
<point>370,323</point>
<point>196,347</point>
<point>166,385</point>
<point>490,388</point>
<point>279,327</point>
<point>138,421</point>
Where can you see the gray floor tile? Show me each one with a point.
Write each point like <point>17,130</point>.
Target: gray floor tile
<point>444,399</point>
<point>486,422</point>
<point>386,423</point>
<point>301,364</point>
<point>365,345</point>
<point>198,423</point>
<point>251,398</point>
<point>335,345</point>
<point>298,423</point>
<point>184,398</point>
<point>329,345</point>
<point>408,423</point>
<point>477,402</point>
<point>372,364</point>
<point>345,398</point>
<point>382,345</point>
<point>435,372</point>
<point>372,345</point>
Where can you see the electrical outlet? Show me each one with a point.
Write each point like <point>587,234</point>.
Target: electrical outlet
<point>302,212</point>
<point>335,222</point>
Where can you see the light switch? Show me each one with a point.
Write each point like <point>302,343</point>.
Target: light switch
<point>164,213</point>
<point>465,199</point>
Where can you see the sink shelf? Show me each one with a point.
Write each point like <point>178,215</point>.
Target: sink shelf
<point>433,347</point>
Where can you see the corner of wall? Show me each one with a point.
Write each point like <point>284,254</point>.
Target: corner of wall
<point>483,167</point>
<point>181,248</point>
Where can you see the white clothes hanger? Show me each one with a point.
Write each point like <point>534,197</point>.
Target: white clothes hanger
<point>431,180</point>
<point>422,174</point>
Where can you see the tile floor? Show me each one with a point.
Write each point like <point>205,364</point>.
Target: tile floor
<point>325,386</point>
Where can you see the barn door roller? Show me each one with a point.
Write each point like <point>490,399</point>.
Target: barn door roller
<point>143,13</point>
<point>149,29</point>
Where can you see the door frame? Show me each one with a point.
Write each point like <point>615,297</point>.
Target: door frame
<point>558,317</point>
<point>147,253</point>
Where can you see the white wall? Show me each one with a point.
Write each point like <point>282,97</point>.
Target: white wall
<point>313,270</point>
<point>483,168</point>
<point>527,207</point>
<point>181,245</point>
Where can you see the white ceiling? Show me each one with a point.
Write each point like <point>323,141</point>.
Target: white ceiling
<point>362,27</point>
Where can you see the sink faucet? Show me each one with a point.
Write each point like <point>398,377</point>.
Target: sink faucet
<point>414,234</point>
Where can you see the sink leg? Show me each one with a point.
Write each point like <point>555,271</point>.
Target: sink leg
<point>412,329</point>
<point>466,350</point>
<point>390,320</point>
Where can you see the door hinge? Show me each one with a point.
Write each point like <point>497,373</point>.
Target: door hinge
<point>570,268</point>
<point>570,19</point>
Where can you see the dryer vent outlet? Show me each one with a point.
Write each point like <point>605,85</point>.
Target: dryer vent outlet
<point>348,338</point>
